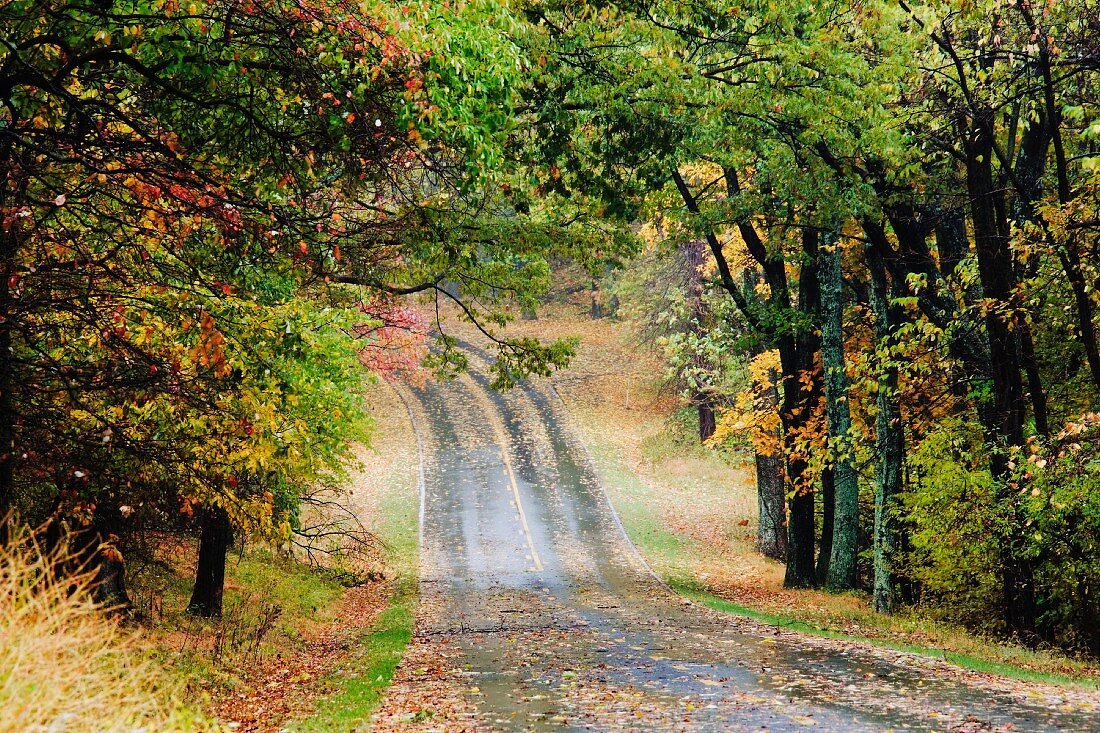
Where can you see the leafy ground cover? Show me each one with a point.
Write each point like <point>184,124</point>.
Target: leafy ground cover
<point>693,513</point>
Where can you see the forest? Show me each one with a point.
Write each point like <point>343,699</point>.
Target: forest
<point>863,237</point>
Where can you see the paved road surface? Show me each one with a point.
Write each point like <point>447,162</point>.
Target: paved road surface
<point>539,615</point>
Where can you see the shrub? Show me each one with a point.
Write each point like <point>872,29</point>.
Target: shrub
<point>952,512</point>
<point>1059,483</point>
<point>960,521</point>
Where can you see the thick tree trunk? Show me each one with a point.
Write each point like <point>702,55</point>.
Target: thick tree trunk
<point>952,242</point>
<point>800,530</point>
<point>889,443</point>
<point>707,420</point>
<point>110,576</point>
<point>795,412</point>
<point>797,355</point>
<point>771,538</point>
<point>98,552</point>
<point>597,301</point>
<point>214,541</point>
<point>844,548</point>
<point>1005,420</point>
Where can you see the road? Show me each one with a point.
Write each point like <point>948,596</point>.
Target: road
<point>538,614</point>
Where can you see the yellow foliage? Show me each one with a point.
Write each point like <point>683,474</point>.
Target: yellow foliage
<point>755,412</point>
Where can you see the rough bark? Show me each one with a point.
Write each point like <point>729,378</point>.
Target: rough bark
<point>1035,389</point>
<point>214,541</point>
<point>98,551</point>
<point>707,420</point>
<point>828,515</point>
<point>952,242</point>
<point>889,443</point>
<point>844,548</point>
<point>797,353</point>
<point>771,537</point>
<point>1004,422</point>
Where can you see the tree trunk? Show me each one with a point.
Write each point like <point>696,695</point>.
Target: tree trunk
<point>1005,420</point>
<point>828,523</point>
<point>597,307</point>
<point>214,541</point>
<point>695,256</point>
<point>1034,381</point>
<point>844,548</point>
<point>797,353</point>
<point>707,421</point>
<point>952,242</point>
<point>1082,301</point>
<point>8,248</point>
<point>771,538</point>
<point>98,552</point>
<point>889,441</point>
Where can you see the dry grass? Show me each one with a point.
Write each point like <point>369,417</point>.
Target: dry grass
<point>64,664</point>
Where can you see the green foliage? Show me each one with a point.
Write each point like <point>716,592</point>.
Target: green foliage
<point>954,513</point>
<point>1061,502</point>
<point>190,195</point>
<point>954,143</point>
<point>960,519</point>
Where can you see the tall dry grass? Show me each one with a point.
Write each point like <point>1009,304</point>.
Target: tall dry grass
<point>64,665</point>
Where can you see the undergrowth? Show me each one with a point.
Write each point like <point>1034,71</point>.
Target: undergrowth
<point>65,665</point>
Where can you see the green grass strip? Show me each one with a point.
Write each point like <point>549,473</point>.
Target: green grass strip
<point>975,664</point>
<point>360,683</point>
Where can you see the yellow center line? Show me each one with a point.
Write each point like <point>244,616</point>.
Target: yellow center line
<point>519,508</point>
<point>502,441</point>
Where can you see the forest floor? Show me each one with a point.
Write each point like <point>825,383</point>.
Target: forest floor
<point>693,513</point>
<point>296,648</point>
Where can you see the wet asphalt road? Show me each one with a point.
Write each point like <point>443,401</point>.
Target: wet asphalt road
<point>553,621</point>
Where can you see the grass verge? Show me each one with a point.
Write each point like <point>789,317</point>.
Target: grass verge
<point>271,605</point>
<point>360,681</point>
<point>976,664</point>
